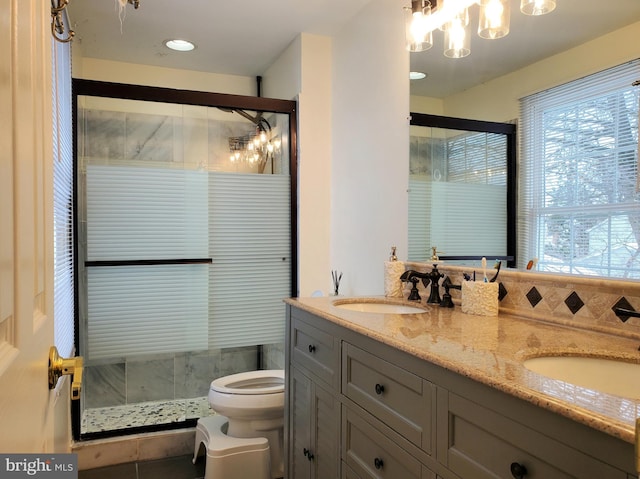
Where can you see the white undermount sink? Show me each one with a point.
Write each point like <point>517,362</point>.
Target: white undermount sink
<point>372,306</point>
<point>613,376</point>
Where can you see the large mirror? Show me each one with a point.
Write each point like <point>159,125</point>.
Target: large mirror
<point>539,54</point>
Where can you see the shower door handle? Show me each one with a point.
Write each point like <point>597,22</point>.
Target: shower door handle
<point>59,366</point>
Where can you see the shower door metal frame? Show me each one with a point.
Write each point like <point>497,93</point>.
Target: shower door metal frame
<point>93,88</point>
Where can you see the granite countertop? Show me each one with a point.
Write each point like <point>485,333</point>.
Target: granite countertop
<point>491,350</point>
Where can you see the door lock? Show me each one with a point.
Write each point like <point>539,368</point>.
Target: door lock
<point>59,366</point>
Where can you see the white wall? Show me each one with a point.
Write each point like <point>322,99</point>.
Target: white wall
<point>498,100</point>
<point>370,148</point>
<point>283,79</point>
<point>425,104</point>
<point>314,165</point>
<point>120,72</point>
<point>303,72</point>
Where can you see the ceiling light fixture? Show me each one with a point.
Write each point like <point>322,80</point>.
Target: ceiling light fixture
<point>417,75</point>
<point>418,38</point>
<point>59,10</point>
<point>452,17</point>
<point>180,45</point>
<point>537,7</point>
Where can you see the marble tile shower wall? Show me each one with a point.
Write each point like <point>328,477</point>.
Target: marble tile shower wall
<point>572,300</point>
<point>170,376</point>
<point>181,139</point>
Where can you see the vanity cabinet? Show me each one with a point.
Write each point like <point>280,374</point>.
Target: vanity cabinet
<point>363,409</point>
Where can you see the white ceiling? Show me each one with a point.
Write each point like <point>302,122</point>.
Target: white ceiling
<point>244,38</point>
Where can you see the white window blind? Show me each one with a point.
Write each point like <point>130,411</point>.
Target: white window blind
<point>63,303</point>
<point>579,206</point>
<point>250,245</point>
<point>141,213</point>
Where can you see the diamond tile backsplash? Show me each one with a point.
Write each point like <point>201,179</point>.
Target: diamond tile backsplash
<point>573,300</point>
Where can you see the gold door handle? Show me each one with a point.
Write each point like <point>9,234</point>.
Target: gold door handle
<point>59,366</point>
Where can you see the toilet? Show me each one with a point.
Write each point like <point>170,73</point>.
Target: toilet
<point>251,405</point>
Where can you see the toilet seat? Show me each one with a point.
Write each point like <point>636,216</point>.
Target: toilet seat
<point>269,381</point>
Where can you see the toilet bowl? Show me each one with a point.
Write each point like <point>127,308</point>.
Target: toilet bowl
<point>253,403</point>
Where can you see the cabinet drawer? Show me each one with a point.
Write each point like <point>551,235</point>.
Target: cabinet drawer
<point>483,444</point>
<point>315,350</point>
<point>370,454</point>
<point>400,399</point>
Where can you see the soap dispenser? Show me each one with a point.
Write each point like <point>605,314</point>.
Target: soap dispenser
<point>393,269</point>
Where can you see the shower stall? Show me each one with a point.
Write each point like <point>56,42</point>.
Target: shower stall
<point>185,248</point>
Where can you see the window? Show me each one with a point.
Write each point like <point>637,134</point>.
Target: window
<point>579,205</point>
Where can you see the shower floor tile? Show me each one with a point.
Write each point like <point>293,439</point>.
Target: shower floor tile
<point>149,413</point>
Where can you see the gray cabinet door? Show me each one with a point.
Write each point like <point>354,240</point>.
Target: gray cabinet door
<point>315,419</point>
<point>300,425</point>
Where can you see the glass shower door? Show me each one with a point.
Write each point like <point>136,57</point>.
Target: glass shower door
<point>185,256</point>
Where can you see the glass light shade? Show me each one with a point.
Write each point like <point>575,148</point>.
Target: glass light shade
<point>418,39</point>
<point>495,17</point>
<point>457,40</point>
<point>455,10</point>
<point>537,7</point>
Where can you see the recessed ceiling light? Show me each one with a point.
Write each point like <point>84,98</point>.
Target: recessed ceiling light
<point>417,75</point>
<point>180,45</point>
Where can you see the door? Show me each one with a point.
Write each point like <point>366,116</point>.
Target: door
<point>33,419</point>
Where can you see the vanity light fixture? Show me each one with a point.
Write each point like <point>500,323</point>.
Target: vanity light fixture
<point>457,37</point>
<point>257,147</point>
<point>452,17</point>
<point>537,7</point>
<point>418,38</point>
<point>180,45</point>
<point>495,16</point>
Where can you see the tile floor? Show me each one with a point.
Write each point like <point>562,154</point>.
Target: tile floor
<point>169,468</point>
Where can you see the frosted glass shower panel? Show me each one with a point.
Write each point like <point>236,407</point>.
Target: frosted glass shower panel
<point>135,310</point>
<point>143,213</point>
